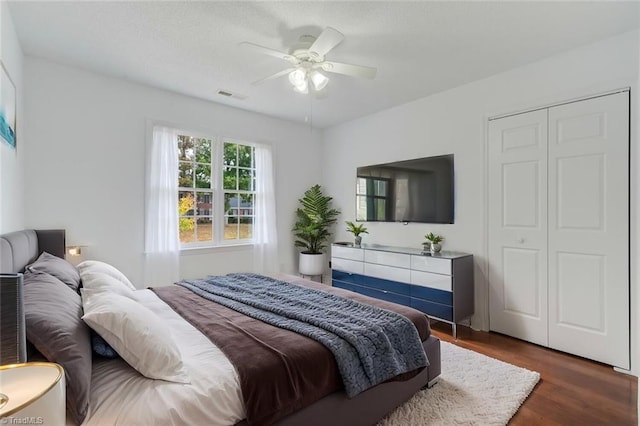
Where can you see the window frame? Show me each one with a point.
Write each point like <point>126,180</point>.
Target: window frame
<point>198,135</point>
<point>217,191</point>
<point>224,140</point>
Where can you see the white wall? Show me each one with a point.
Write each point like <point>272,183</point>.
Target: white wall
<point>11,160</point>
<point>87,155</point>
<point>454,121</point>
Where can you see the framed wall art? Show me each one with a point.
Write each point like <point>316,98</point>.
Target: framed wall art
<point>7,108</point>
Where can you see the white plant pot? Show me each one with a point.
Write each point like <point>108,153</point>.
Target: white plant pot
<point>311,264</point>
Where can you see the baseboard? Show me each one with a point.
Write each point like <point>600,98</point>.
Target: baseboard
<point>623,371</point>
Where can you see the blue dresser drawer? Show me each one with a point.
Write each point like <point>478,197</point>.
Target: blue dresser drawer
<point>432,294</point>
<point>384,295</point>
<point>342,284</point>
<point>371,292</point>
<point>433,309</point>
<point>372,282</point>
<point>346,277</point>
<point>385,285</point>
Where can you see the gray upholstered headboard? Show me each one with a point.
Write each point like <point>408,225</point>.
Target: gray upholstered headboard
<point>18,249</point>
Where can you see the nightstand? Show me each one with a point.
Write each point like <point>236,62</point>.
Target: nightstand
<point>32,393</point>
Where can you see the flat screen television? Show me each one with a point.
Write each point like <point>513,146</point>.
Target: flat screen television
<point>418,190</point>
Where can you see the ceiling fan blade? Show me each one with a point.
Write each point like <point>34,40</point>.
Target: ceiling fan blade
<point>271,77</point>
<point>326,41</point>
<point>270,52</point>
<point>348,69</point>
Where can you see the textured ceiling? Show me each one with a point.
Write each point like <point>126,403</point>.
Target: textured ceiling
<point>419,48</point>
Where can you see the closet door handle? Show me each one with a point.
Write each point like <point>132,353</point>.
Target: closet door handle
<point>521,240</point>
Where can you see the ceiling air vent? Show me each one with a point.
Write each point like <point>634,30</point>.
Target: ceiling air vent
<point>228,94</point>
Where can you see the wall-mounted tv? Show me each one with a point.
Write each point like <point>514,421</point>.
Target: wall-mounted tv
<point>418,190</point>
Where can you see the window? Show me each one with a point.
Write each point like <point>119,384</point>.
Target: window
<point>216,191</point>
<point>239,182</point>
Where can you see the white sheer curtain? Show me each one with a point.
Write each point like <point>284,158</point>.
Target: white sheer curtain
<point>162,244</point>
<point>265,248</point>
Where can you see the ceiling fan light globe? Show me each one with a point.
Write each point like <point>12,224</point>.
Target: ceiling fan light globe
<point>298,77</point>
<point>319,80</point>
<point>303,87</point>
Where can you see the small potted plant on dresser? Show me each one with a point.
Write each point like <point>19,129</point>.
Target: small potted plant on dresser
<point>313,220</point>
<point>433,241</point>
<point>356,230</point>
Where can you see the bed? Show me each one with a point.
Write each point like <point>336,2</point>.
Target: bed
<point>121,395</point>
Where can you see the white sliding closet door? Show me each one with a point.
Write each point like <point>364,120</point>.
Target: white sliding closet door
<point>558,199</point>
<point>589,228</point>
<point>518,226</point>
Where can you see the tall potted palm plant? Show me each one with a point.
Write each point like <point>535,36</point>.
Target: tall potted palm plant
<point>313,220</point>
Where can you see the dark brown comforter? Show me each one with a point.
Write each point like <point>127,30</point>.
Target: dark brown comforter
<point>280,371</point>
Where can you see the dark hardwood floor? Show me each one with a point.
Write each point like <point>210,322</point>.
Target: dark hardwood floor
<point>571,390</point>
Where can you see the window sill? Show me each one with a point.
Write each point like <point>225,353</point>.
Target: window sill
<point>191,251</point>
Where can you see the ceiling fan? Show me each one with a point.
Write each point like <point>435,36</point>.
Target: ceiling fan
<point>308,61</point>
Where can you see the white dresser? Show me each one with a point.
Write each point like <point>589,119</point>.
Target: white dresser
<point>440,285</point>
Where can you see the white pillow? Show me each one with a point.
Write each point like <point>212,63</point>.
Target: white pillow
<point>103,282</point>
<point>105,268</point>
<point>136,333</point>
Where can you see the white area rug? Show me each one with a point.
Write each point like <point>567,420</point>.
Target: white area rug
<point>474,389</point>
